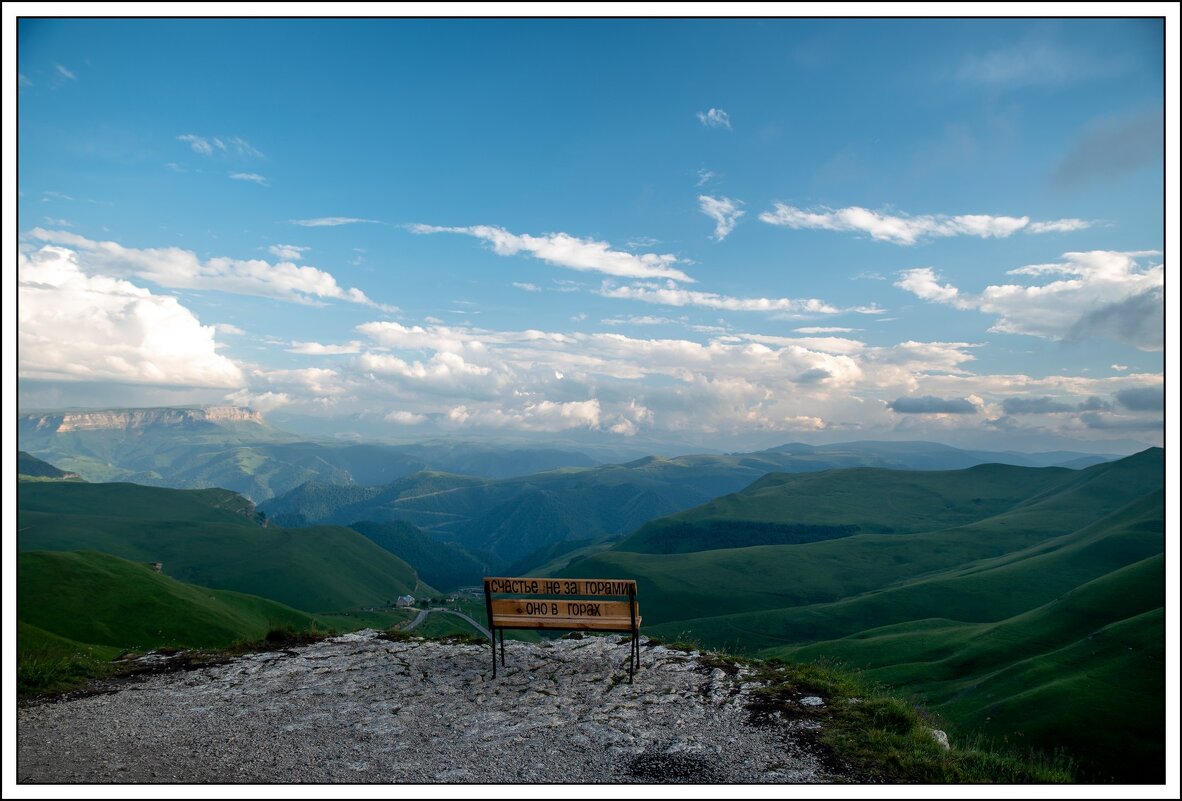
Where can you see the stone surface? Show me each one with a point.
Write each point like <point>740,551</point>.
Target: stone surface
<point>360,708</point>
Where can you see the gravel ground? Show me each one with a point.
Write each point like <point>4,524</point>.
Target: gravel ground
<point>360,708</point>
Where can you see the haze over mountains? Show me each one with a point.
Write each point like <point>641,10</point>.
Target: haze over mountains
<point>1019,595</point>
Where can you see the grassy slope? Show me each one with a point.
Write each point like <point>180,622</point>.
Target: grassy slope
<point>441,564</point>
<point>203,537</point>
<point>1085,671</point>
<point>1040,625</point>
<point>30,466</point>
<point>99,599</point>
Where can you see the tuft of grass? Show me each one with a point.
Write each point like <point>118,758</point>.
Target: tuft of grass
<point>44,674</point>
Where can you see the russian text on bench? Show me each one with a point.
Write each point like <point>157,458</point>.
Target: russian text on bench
<point>549,608</point>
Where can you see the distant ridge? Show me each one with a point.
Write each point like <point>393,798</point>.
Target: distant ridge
<point>124,419</point>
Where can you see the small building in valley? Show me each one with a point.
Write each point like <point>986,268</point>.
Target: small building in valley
<point>405,600</point>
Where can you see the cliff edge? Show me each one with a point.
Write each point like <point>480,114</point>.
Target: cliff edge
<point>363,708</point>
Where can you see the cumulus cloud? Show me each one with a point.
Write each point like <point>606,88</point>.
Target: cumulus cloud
<point>1113,422</point>
<point>724,211</point>
<point>260,401</point>
<point>1048,405</point>
<point>227,328</point>
<point>322,222</point>
<point>715,118</point>
<point>1099,294</point>
<point>287,252</point>
<point>924,283</point>
<point>1142,399</point>
<point>538,416</point>
<point>79,327</point>
<point>902,229</point>
<point>929,404</point>
<point>569,251</point>
<point>176,268</point>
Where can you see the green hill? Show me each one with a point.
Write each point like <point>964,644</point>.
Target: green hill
<point>528,520</point>
<point>1030,611</point>
<point>442,565</point>
<point>99,599</point>
<point>29,466</point>
<point>214,538</point>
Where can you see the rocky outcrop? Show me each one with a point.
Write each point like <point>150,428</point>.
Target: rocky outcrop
<point>130,419</point>
<point>361,708</point>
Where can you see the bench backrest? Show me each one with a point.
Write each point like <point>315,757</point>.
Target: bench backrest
<point>571,604</point>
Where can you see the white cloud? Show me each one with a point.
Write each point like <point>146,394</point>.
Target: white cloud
<point>826,330</point>
<point>1103,294</point>
<point>202,145</point>
<point>538,416</point>
<point>704,177</point>
<point>65,73</point>
<point>78,327</point>
<point>1120,368</point>
<point>405,418</point>
<point>288,252</point>
<point>908,230</point>
<point>724,211</point>
<point>318,349</point>
<point>227,328</point>
<point>527,287</point>
<point>208,145</point>
<point>319,222</point>
<point>181,269</point>
<point>468,377</point>
<point>58,221</point>
<point>253,177</point>
<point>673,295</point>
<point>569,251</point>
<point>260,401</point>
<point>244,148</point>
<point>892,228</point>
<point>645,319</point>
<point>923,282</point>
<point>715,118</point>
<point>1056,226</point>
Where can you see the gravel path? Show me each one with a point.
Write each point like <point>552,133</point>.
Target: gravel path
<point>360,708</point>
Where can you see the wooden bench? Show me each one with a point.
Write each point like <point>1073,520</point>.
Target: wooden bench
<point>560,603</point>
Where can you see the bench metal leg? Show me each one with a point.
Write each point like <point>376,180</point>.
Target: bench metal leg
<point>492,635</point>
<point>633,657</point>
<point>502,647</point>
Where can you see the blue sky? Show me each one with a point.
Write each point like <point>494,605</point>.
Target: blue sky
<point>724,232</point>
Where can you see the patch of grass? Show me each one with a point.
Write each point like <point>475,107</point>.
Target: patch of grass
<point>47,663</point>
<point>879,737</point>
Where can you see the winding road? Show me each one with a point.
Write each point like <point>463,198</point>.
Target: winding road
<point>422,615</point>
